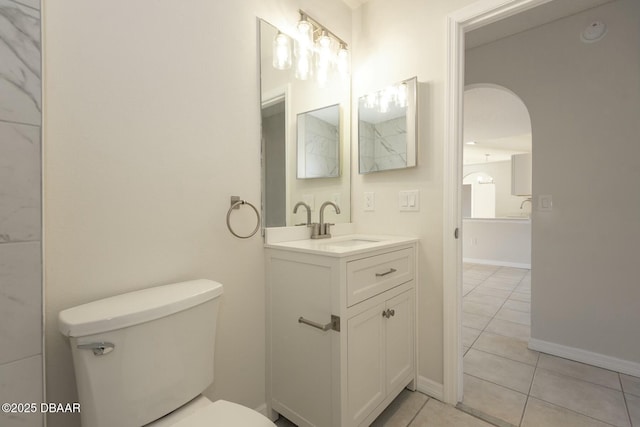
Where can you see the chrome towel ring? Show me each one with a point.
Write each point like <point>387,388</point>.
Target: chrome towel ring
<point>236,202</point>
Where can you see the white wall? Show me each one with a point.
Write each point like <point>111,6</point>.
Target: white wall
<point>505,242</point>
<point>584,101</point>
<point>152,122</point>
<point>394,41</point>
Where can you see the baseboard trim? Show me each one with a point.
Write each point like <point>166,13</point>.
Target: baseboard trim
<point>497,262</point>
<point>430,388</point>
<point>579,355</point>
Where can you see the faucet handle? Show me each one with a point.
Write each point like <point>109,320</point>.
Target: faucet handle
<point>327,228</point>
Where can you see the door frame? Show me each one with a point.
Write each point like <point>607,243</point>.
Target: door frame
<point>471,17</point>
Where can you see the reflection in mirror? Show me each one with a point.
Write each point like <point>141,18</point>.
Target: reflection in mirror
<point>319,143</point>
<point>283,98</point>
<point>387,128</point>
<point>497,128</point>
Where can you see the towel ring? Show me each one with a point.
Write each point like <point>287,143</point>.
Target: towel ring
<point>235,204</point>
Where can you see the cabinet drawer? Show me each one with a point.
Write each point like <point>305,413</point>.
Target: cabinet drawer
<point>367,277</point>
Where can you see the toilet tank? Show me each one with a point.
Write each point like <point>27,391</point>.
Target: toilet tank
<point>140,355</point>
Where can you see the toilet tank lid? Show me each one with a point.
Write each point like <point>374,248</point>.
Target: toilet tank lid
<point>136,307</point>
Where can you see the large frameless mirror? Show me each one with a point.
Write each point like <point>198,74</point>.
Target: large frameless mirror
<point>387,128</point>
<point>321,108</point>
<point>318,137</point>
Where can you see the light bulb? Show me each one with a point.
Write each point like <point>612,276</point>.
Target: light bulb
<point>343,61</point>
<point>303,65</point>
<point>282,52</point>
<point>305,33</point>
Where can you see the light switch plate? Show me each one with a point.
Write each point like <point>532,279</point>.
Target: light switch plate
<point>545,203</point>
<point>409,200</point>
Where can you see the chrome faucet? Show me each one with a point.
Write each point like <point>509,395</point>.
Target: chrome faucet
<point>307,207</point>
<point>525,201</point>
<point>324,230</point>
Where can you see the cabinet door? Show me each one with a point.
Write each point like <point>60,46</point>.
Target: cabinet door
<point>365,363</point>
<point>399,339</point>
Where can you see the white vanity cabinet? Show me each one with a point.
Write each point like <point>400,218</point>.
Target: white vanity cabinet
<point>364,296</point>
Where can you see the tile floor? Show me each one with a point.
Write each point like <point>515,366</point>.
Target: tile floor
<point>507,384</point>
<point>510,385</point>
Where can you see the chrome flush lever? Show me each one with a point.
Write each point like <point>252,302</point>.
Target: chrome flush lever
<point>99,348</point>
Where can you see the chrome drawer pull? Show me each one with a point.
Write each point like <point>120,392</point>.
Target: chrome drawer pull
<point>391,270</point>
<point>334,324</point>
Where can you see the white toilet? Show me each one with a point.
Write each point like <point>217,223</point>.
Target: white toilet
<point>143,358</point>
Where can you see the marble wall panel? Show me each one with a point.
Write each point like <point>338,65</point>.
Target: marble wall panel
<point>20,301</point>
<point>20,68</point>
<point>20,183</point>
<point>21,381</point>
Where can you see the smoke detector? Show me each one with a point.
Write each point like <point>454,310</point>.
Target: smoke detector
<point>594,32</point>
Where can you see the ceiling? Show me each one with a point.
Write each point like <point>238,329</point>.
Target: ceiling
<point>498,122</point>
<point>527,20</point>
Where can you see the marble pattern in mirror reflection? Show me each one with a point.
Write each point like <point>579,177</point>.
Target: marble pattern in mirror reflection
<point>319,143</point>
<point>387,128</point>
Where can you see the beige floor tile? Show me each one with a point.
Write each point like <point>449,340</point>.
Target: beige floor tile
<point>469,335</point>
<point>630,384</point>
<point>520,296</point>
<point>402,410</point>
<point>589,399</point>
<point>514,316</point>
<point>543,414</point>
<point>517,306</point>
<point>485,299</point>
<point>498,284</point>
<point>466,289</point>
<point>500,293</point>
<point>494,400</point>
<point>438,414</point>
<point>509,347</point>
<point>509,329</point>
<point>477,308</point>
<point>499,370</point>
<point>475,321</point>
<point>580,371</point>
<point>633,403</point>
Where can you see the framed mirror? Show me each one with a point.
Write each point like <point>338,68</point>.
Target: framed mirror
<point>387,128</point>
<point>318,137</point>
<point>286,163</point>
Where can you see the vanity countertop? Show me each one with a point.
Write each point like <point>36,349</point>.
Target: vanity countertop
<point>340,246</point>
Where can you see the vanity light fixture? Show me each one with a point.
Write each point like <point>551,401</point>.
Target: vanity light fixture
<point>316,52</point>
<point>282,51</point>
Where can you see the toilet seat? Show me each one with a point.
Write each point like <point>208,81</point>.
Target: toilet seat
<point>225,414</point>
<point>201,412</point>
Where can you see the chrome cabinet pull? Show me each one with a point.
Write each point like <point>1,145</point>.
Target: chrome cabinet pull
<point>99,348</point>
<point>391,270</point>
<point>334,324</point>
